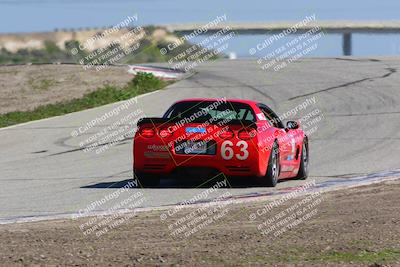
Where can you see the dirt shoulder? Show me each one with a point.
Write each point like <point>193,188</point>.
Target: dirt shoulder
<point>26,87</point>
<point>351,227</point>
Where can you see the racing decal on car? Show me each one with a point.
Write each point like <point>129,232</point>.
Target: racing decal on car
<point>195,130</point>
<point>261,117</point>
<point>156,152</point>
<point>227,152</point>
<point>156,155</point>
<point>155,147</point>
<point>287,168</point>
<point>293,144</point>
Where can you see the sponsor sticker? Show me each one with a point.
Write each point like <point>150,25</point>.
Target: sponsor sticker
<point>195,130</point>
<point>261,116</point>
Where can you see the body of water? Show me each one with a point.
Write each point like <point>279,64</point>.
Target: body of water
<point>48,15</point>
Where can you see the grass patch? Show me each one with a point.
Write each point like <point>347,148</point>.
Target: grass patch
<point>363,256</point>
<point>367,257</point>
<point>140,84</point>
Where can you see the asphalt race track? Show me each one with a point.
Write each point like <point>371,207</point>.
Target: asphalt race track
<point>43,170</point>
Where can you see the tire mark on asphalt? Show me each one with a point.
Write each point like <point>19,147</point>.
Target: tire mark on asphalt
<point>358,60</point>
<point>356,139</point>
<point>363,114</point>
<point>239,83</point>
<point>390,72</point>
<point>116,143</point>
<point>356,114</point>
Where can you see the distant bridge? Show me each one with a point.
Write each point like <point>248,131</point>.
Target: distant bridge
<point>346,28</point>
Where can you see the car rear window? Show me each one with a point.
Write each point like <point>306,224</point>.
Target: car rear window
<point>206,110</point>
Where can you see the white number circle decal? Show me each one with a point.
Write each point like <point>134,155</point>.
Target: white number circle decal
<point>227,151</point>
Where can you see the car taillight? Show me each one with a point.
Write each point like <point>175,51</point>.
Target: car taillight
<point>147,132</point>
<point>227,134</point>
<point>164,132</point>
<point>247,134</point>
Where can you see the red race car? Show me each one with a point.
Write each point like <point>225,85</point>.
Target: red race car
<point>234,137</point>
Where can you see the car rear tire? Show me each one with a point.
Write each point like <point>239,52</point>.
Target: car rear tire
<point>273,168</point>
<point>148,180</point>
<point>303,169</point>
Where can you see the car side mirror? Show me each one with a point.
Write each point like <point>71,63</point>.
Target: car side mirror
<point>291,125</point>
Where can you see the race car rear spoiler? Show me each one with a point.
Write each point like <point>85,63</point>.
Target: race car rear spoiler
<point>155,120</point>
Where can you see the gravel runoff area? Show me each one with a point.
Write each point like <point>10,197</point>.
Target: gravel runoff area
<point>25,87</point>
<point>350,227</point>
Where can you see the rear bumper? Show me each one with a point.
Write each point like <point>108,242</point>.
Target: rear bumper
<point>159,159</point>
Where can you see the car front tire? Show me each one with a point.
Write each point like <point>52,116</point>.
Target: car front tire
<point>303,169</point>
